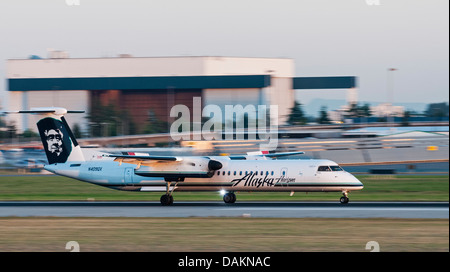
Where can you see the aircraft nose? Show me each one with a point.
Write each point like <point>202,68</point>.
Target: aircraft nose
<point>358,182</point>
<point>354,180</point>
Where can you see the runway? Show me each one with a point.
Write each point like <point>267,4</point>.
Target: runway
<point>220,209</point>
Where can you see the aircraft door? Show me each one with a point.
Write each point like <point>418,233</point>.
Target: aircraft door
<point>283,175</point>
<point>128,175</point>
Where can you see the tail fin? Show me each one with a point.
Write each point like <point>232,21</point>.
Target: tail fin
<point>59,142</point>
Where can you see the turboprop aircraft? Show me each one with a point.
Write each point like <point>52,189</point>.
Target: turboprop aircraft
<point>148,173</point>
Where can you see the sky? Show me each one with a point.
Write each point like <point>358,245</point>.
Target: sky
<point>324,37</point>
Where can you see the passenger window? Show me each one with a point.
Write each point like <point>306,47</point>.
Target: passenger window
<point>324,169</point>
<point>229,173</point>
<point>271,173</point>
<point>218,173</point>
<point>234,173</point>
<point>240,173</point>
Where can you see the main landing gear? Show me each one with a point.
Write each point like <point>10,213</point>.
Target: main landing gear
<point>344,199</point>
<point>229,198</point>
<point>167,199</point>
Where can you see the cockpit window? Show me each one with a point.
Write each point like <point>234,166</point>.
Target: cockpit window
<point>336,168</point>
<point>324,168</point>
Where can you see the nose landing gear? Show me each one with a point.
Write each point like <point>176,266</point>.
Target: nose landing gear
<point>344,199</point>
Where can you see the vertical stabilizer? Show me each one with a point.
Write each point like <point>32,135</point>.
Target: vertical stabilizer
<point>59,142</point>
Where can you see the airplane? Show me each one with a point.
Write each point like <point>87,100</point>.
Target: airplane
<point>256,172</point>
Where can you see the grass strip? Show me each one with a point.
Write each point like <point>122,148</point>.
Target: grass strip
<point>376,188</point>
<point>223,234</point>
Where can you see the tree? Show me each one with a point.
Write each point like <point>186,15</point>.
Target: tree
<point>437,110</point>
<point>107,121</point>
<point>365,110</point>
<point>405,118</point>
<point>154,125</point>
<point>323,116</point>
<point>9,131</point>
<point>356,111</point>
<point>77,131</point>
<point>29,134</point>
<point>297,117</point>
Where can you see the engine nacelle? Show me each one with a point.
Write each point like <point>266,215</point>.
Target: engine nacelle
<point>214,165</point>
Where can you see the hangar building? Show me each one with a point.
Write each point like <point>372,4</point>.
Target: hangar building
<point>142,85</point>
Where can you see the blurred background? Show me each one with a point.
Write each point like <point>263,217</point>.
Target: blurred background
<point>363,83</point>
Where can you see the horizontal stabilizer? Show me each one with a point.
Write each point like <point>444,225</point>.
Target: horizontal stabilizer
<point>44,110</point>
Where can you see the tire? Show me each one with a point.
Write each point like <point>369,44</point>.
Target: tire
<point>227,198</point>
<point>344,200</point>
<point>233,198</point>
<point>165,200</point>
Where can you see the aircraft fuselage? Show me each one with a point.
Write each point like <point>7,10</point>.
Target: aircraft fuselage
<point>239,175</point>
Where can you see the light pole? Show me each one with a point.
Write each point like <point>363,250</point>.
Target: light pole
<point>390,94</point>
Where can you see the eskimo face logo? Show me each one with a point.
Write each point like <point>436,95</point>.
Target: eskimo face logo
<point>54,141</point>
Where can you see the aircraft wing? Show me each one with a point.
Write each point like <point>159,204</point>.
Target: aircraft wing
<point>283,154</point>
<point>265,154</point>
<point>144,157</point>
<point>173,175</point>
<point>171,168</point>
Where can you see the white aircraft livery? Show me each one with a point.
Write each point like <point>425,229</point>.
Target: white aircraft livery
<point>148,173</point>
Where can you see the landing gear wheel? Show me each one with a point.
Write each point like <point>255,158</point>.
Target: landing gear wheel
<point>344,200</point>
<point>233,197</point>
<point>166,200</point>
<point>229,198</point>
